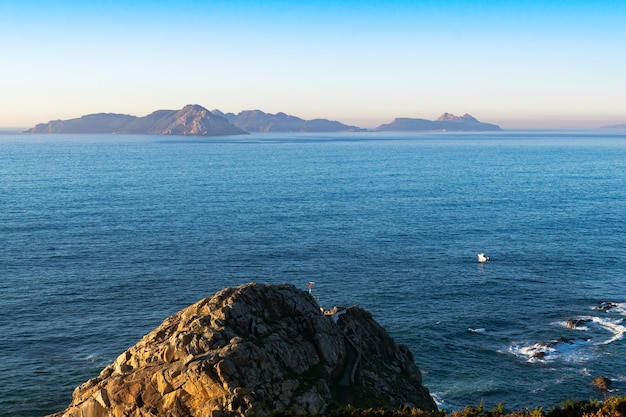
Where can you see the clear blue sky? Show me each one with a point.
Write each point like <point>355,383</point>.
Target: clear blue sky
<point>515,63</point>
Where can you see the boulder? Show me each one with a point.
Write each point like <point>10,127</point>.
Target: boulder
<point>576,323</point>
<point>255,349</point>
<point>602,383</point>
<point>605,306</point>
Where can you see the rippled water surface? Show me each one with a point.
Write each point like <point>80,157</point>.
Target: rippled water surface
<point>103,237</point>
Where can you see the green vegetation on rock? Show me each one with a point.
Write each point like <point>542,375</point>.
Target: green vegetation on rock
<point>610,407</point>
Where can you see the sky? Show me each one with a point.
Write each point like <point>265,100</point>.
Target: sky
<point>519,64</point>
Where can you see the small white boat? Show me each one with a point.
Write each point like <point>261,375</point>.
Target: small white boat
<point>482,258</point>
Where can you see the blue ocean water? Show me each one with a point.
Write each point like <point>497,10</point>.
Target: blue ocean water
<point>104,236</point>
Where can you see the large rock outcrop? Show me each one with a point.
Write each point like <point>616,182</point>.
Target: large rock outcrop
<point>255,349</point>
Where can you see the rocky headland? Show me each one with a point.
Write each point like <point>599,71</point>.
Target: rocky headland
<point>446,122</point>
<point>256,350</point>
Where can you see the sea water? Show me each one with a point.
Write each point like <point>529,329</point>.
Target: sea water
<point>104,236</point>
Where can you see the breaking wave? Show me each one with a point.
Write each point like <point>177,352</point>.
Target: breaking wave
<point>479,330</point>
<point>599,330</point>
<point>568,350</point>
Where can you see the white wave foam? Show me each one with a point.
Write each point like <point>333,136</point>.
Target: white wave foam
<point>479,330</point>
<point>442,404</point>
<point>610,307</point>
<point>437,397</point>
<point>620,308</point>
<point>613,326</point>
<point>578,327</point>
<point>534,353</point>
<point>568,350</point>
<point>576,350</point>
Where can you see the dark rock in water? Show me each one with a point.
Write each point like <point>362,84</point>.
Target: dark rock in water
<point>555,342</point>
<point>575,323</point>
<point>256,349</point>
<point>605,306</point>
<point>541,354</point>
<point>544,349</point>
<point>603,383</point>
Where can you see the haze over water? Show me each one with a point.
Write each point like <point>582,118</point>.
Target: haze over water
<point>103,237</point>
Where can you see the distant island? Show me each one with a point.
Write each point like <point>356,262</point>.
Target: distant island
<point>191,120</point>
<point>258,121</point>
<point>620,126</point>
<point>446,122</point>
<point>195,120</point>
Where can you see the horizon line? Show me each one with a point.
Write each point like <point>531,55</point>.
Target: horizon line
<point>371,123</point>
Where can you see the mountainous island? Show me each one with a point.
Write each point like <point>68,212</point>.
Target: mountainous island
<point>256,349</point>
<point>446,122</point>
<point>195,120</point>
<point>258,121</point>
<point>191,120</point>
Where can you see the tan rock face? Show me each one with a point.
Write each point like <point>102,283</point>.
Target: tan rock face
<point>254,349</point>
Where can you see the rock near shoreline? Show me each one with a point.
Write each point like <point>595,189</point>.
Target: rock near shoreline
<point>256,349</point>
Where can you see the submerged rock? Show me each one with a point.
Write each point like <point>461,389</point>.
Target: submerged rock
<point>255,349</point>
